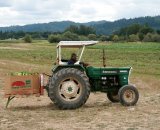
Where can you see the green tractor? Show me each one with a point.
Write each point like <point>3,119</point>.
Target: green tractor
<point>70,84</point>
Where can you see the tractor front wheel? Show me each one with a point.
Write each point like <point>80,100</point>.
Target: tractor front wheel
<point>113,96</point>
<point>69,88</point>
<point>128,95</point>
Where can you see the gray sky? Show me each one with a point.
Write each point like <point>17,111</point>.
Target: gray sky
<point>21,12</point>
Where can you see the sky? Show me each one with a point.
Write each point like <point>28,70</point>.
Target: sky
<point>21,12</point>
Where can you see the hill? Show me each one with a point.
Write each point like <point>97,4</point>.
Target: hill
<point>101,27</point>
<point>110,27</point>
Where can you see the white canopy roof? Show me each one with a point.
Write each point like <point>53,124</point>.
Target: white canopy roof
<point>76,43</point>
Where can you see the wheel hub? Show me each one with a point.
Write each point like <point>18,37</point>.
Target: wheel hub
<point>129,95</point>
<point>69,89</point>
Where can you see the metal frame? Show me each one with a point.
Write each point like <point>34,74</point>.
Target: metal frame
<point>80,57</point>
<point>72,44</point>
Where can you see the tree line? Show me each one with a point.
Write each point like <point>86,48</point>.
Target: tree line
<point>21,34</point>
<point>131,33</point>
<point>137,32</point>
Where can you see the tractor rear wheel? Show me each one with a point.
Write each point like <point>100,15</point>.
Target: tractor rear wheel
<point>69,88</point>
<point>113,96</point>
<point>128,95</point>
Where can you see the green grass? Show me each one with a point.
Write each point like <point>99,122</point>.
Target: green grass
<point>143,57</point>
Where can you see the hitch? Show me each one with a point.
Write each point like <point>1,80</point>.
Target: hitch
<point>9,99</point>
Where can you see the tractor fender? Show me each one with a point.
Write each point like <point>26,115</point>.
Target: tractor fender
<point>59,67</point>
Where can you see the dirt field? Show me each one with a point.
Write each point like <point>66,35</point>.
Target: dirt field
<point>39,113</point>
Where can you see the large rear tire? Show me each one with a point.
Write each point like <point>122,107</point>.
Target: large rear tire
<point>128,95</point>
<point>69,88</point>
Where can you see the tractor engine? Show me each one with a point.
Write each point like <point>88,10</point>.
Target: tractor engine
<point>109,81</point>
